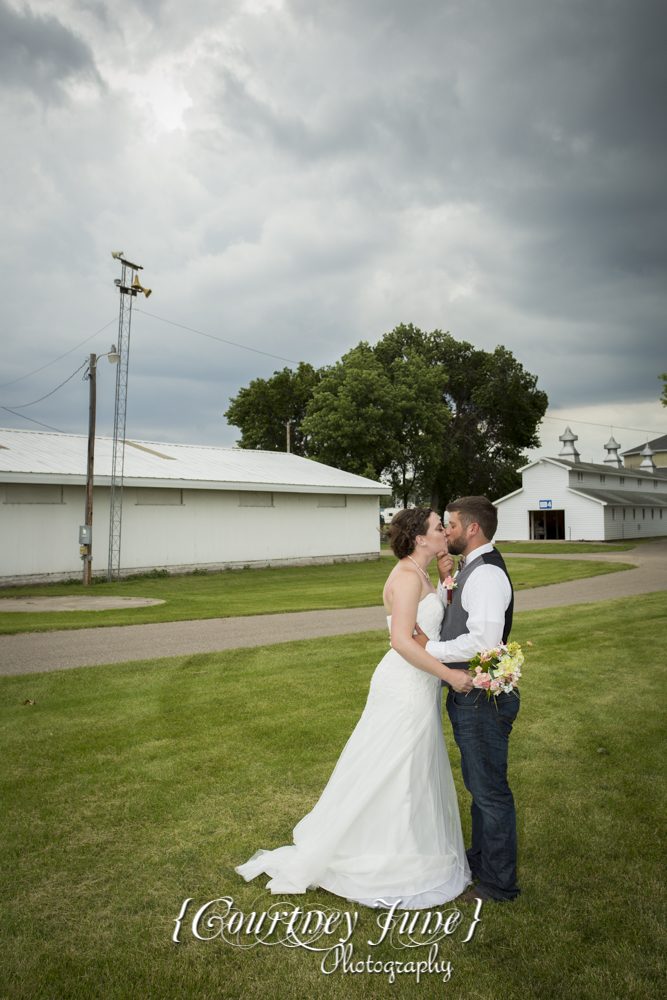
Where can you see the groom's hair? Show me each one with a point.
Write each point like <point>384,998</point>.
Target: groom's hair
<point>476,510</point>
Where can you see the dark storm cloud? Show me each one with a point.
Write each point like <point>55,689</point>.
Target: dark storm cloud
<point>492,168</point>
<point>39,53</point>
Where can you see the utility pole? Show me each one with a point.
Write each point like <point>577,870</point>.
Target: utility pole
<point>92,410</point>
<point>289,448</point>
<point>127,293</point>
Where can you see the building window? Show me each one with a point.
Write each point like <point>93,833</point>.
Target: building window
<point>251,499</point>
<point>652,512</point>
<point>331,500</point>
<point>634,513</point>
<point>661,513</point>
<point>580,477</point>
<point>639,482</point>
<point>33,493</point>
<point>613,513</point>
<point>622,480</point>
<point>655,484</point>
<point>644,513</point>
<point>624,513</point>
<point>156,496</point>
<point>603,479</point>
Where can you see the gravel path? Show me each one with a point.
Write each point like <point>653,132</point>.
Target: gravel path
<point>33,652</point>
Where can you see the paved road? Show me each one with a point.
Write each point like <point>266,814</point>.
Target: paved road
<point>33,652</point>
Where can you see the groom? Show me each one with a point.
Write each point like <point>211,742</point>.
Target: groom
<point>479,617</point>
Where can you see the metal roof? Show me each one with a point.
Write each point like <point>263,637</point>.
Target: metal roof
<point>657,444</point>
<point>623,497</point>
<point>606,470</point>
<point>48,457</point>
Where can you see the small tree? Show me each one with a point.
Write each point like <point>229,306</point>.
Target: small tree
<point>663,395</point>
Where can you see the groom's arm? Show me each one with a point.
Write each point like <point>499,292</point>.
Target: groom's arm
<point>486,597</point>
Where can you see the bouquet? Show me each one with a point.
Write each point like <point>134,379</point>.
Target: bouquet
<point>498,669</point>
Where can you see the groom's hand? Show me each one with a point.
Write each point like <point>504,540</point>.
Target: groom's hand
<point>420,637</point>
<point>445,565</point>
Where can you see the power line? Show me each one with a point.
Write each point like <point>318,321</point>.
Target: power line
<point>22,406</point>
<point>221,339</point>
<point>5,384</point>
<point>573,420</point>
<point>33,421</point>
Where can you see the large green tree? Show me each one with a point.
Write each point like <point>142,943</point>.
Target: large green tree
<point>433,417</point>
<point>495,408</point>
<point>262,409</point>
<point>384,421</point>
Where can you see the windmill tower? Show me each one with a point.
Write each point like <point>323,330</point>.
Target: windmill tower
<point>128,287</point>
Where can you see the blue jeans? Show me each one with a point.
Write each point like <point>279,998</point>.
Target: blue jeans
<point>481,730</point>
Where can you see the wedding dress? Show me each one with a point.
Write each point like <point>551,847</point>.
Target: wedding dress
<point>387,824</point>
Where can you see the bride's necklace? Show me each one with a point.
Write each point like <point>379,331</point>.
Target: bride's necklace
<point>422,571</point>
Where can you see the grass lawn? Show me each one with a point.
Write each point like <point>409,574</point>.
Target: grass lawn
<point>559,548</point>
<point>245,592</point>
<point>566,548</point>
<point>128,788</point>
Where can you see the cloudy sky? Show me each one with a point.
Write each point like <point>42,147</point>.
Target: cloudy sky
<point>296,176</point>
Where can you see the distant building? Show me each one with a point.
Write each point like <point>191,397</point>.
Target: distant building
<point>565,498</point>
<point>633,456</point>
<point>184,507</point>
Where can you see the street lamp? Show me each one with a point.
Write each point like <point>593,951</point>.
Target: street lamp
<point>86,530</point>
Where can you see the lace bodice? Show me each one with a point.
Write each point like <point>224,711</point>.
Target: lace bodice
<point>429,616</point>
<point>398,680</point>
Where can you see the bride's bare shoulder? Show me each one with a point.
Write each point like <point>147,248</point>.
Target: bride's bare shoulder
<point>404,581</point>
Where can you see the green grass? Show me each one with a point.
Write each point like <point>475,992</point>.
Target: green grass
<point>249,592</point>
<point>568,548</point>
<point>128,788</point>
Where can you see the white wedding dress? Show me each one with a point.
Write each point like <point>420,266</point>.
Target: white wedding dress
<point>387,824</point>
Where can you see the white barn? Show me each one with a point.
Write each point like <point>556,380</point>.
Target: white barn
<point>564,498</point>
<point>184,507</point>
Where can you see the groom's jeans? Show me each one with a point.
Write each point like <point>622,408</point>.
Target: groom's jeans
<point>481,730</point>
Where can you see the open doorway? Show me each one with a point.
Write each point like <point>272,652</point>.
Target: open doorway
<point>547,524</point>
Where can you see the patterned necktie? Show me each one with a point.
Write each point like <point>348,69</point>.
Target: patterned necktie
<point>461,563</point>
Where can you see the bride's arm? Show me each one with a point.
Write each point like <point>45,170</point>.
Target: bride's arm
<point>406,593</point>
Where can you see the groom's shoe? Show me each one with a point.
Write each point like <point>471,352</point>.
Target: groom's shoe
<point>470,896</point>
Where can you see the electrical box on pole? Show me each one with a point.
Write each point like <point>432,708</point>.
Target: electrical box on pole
<point>128,289</point>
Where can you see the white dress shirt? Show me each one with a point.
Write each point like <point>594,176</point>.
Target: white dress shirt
<point>486,597</point>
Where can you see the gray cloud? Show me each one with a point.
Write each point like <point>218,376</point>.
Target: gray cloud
<point>299,177</point>
<point>39,53</point>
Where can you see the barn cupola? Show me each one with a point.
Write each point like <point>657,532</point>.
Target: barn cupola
<point>648,465</point>
<point>613,458</point>
<point>568,451</point>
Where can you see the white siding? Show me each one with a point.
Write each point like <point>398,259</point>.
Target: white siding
<point>209,529</point>
<point>638,522</point>
<point>513,519</point>
<point>584,518</point>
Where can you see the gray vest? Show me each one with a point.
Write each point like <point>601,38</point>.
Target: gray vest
<point>455,622</point>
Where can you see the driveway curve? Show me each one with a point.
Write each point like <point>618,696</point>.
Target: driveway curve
<point>34,652</point>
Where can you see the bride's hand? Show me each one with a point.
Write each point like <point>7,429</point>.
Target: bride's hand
<point>461,681</point>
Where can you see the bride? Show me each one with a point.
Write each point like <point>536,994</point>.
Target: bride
<point>386,829</point>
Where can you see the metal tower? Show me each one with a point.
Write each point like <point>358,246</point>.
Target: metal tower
<point>127,293</point>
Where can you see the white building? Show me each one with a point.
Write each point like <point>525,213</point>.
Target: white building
<point>564,498</point>
<point>184,507</point>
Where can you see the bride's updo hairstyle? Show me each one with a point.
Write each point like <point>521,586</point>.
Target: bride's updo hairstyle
<point>404,528</point>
